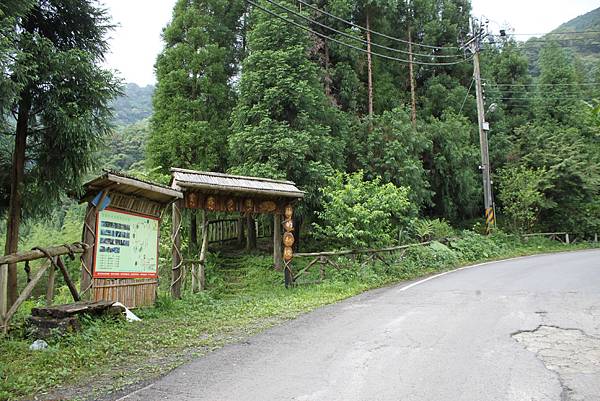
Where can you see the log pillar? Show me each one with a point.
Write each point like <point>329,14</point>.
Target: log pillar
<point>201,266</point>
<point>3,292</point>
<point>87,257</point>
<point>288,242</point>
<point>277,256</point>
<point>250,233</point>
<point>240,231</point>
<point>89,238</point>
<point>176,272</point>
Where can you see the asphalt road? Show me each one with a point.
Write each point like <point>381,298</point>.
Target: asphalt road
<point>523,329</point>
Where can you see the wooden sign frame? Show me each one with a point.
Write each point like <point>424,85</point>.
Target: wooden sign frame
<point>124,275</point>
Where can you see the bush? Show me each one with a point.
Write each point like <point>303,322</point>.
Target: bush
<point>358,213</point>
<point>522,197</point>
<point>427,230</point>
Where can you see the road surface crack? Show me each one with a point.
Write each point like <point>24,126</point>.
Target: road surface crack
<point>572,354</point>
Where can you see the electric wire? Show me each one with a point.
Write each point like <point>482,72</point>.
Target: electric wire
<point>361,40</point>
<point>466,96</point>
<point>535,85</point>
<point>265,10</point>
<point>372,31</point>
<point>552,33</point>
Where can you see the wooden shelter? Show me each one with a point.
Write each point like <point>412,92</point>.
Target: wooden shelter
<point>121,230</point>
<point>217,192</point>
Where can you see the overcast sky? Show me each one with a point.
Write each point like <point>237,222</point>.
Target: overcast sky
<point>136,41</point>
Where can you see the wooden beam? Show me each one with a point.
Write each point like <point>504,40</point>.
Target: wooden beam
<point>24,294</point>
<point>360,251</point>
<point>76,247</point>
<point>68,280</point>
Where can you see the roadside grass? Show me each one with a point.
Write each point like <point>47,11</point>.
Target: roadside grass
<point>109,354</point>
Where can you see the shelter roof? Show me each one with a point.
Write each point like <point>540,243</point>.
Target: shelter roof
<point>233,184</point>
<point>128,185</point>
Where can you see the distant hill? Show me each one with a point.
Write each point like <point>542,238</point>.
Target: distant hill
<point>135,105</point>
<point>585,45</point>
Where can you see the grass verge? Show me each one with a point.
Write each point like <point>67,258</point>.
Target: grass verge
<point>243,299</point>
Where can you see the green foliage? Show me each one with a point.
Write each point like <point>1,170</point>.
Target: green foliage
<point>557,71</point>
<point>282,121</point>
<point>194,94</point>
<point>62,94</point>
<point>522,196</point>
<point>126,147</point>
<point>573,173</point>
<point>392,149</point>
<point>435,229</point>
<point>358,213</point>
<point>452,164</point>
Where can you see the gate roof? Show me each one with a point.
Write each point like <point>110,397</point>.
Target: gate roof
<point>216,183</point>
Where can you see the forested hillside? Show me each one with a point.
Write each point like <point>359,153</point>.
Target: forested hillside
<point>133,105</point>
<point>579,36</point>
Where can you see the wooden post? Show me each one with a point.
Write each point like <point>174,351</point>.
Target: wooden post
<point>176,252</point>
<point>567,238</point>
<point>25,294</point>
<point>240,231</point>
<point>87,257</point>
<point>203,250</point>
<point>50,286</point>
<point>251,233</point>
<point>288,242</point>
<point>277,241</point>
<point>68,280</point>
<point>3,292</point>
<point>596,237</point>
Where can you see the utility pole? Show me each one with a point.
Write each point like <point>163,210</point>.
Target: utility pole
<point>474,45</point>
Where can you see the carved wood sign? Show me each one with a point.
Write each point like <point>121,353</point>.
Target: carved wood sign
<point>217,203</point>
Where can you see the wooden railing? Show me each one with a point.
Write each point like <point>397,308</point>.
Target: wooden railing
<point>363,256</point>
<point>223,230</point>
<point>559,236</point>
<point>53,262</point>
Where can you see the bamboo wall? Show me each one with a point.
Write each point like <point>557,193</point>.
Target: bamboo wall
<point>132,293</point>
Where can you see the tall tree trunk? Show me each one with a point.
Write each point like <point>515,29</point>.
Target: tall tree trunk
<point>413,101</point>
<point>16,193</point>
<point>369,67</point>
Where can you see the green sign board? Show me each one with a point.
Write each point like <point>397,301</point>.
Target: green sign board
<point>126,245</point>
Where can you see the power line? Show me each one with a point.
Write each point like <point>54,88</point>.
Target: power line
<point>544,97</point>
<point>372,31</point>
<point>556,84</point>
<point>552,33</point>
<point>293,12</point>
<point>346,44</point>
<point>466,96</point>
